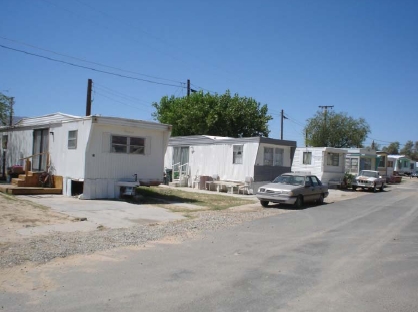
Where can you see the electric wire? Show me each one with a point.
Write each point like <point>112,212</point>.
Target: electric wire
<point>90,68</point>
<point>87,61</point>
<point>123,95</point>
<point>120,102</point>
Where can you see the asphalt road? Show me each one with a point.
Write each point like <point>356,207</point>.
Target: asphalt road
<point>354,255</point>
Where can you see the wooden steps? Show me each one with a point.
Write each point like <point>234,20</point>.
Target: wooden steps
<point>16,190</point>
<point>30,185</point>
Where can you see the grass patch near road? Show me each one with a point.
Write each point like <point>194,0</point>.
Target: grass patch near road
<point>157,195</point>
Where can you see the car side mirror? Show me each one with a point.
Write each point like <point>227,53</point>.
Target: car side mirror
<point>308,184</point>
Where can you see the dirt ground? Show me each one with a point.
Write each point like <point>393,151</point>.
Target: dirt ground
<point>16,214</point>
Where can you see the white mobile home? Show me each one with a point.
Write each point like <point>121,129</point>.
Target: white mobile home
<point>401,164</point>
<point>92,154</point>
<point>327,163</point>
<point>358,159</point>
<point>255,159</point>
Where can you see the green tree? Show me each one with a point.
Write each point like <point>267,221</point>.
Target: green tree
<point>336,130</point>
<point>5,108</point>
<point>213,114</point>
<point>407,150</point>
<point>392,148</point>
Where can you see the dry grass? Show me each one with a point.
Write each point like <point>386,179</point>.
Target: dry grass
<point>167,197</point>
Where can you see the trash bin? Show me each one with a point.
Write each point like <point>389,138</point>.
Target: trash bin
<point>168,176</point>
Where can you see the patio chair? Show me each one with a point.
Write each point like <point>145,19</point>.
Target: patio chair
<point>246,187</point>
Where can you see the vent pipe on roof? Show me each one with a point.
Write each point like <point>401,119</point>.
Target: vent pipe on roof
<point>88,102</point>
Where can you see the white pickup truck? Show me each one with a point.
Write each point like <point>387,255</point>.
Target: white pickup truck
<point>368,179</point>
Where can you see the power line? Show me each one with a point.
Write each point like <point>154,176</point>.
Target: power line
<point>120,102</point>
<point>90,68</point>
<point>203,88</point>
<point>120,94</point>
<point>86,61</point>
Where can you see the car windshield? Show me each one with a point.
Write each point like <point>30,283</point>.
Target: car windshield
<point>290,180</point>
<point>368,174</point>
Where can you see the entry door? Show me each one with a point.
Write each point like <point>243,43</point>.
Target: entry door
<point>40,145</point>
<point>180,158</point>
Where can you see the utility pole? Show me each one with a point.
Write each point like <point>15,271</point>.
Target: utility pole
<point>88,102</point>
<point>281,124</point>
<point>188,87</point>
<point>325,109</point>
<point>12,100</point>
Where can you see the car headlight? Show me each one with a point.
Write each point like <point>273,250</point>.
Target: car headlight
<point>261,190</point>
<point>288,193</point>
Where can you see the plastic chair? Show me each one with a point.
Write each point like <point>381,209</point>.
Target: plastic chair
<point>247,185</point>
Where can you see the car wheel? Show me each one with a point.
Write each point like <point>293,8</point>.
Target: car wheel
<point>320,201</point>
<point>354,188</point>
<point>382,187</point>
<point>299,202</point>
<point>264,203</point>
<point>374,188</point>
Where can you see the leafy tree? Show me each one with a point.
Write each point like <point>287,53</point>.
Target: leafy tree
<point>410,149</point>
<point>335,130</point>
<point>208,114</point>
<point>407,150</point>
<point>392,148</point>
<point>375,146</point>
<point>5,108</point>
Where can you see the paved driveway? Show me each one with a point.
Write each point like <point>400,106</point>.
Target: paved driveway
<point>107,213</point>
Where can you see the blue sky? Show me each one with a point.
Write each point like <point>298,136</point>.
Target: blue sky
<point>358,55</point>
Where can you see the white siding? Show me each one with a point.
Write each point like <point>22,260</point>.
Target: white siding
<point>69,163</point>
<point>104,168</point>
<point>20,144</point>
<point>207,160</point>
<point>319,165</point>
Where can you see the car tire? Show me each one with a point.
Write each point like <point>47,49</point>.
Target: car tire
<point>374,189</point>
<point>354,188</point>
<point>264,203</point>
<point>320,201</point>
<point>382,187</point>
<point>299,202</point>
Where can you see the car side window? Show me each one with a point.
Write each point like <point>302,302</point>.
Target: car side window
<point>315,181</point>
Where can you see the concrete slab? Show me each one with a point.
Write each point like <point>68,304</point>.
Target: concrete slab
<point>108,213</point>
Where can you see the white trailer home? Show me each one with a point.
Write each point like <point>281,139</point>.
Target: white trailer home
<point>327,163</point>
<point>94,155</point>
<point>358,159</point>
<point>401,164</point>
<point>252,161</point>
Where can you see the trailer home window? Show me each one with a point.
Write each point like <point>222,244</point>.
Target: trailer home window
<point>382,161</point>
<point>390,164</point>
<point>72,139</point>
<point>351,165</point>
<point>273,156</point>
<point>278,157</point>
<point>307,158</point>
<point>128,145</point>
<point>333,159</point>
<point>237,154</point>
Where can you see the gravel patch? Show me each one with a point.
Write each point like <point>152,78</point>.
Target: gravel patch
<point>41,249</point>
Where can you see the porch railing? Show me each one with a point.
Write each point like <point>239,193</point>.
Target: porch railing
<point>179,171</point>
<point>28,162</point>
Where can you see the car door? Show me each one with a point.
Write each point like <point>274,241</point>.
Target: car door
<point>309,191</point>
<point>315,189</point>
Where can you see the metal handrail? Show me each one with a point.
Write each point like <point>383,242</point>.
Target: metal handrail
<point>31,156</point>
<point>180,171</point>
